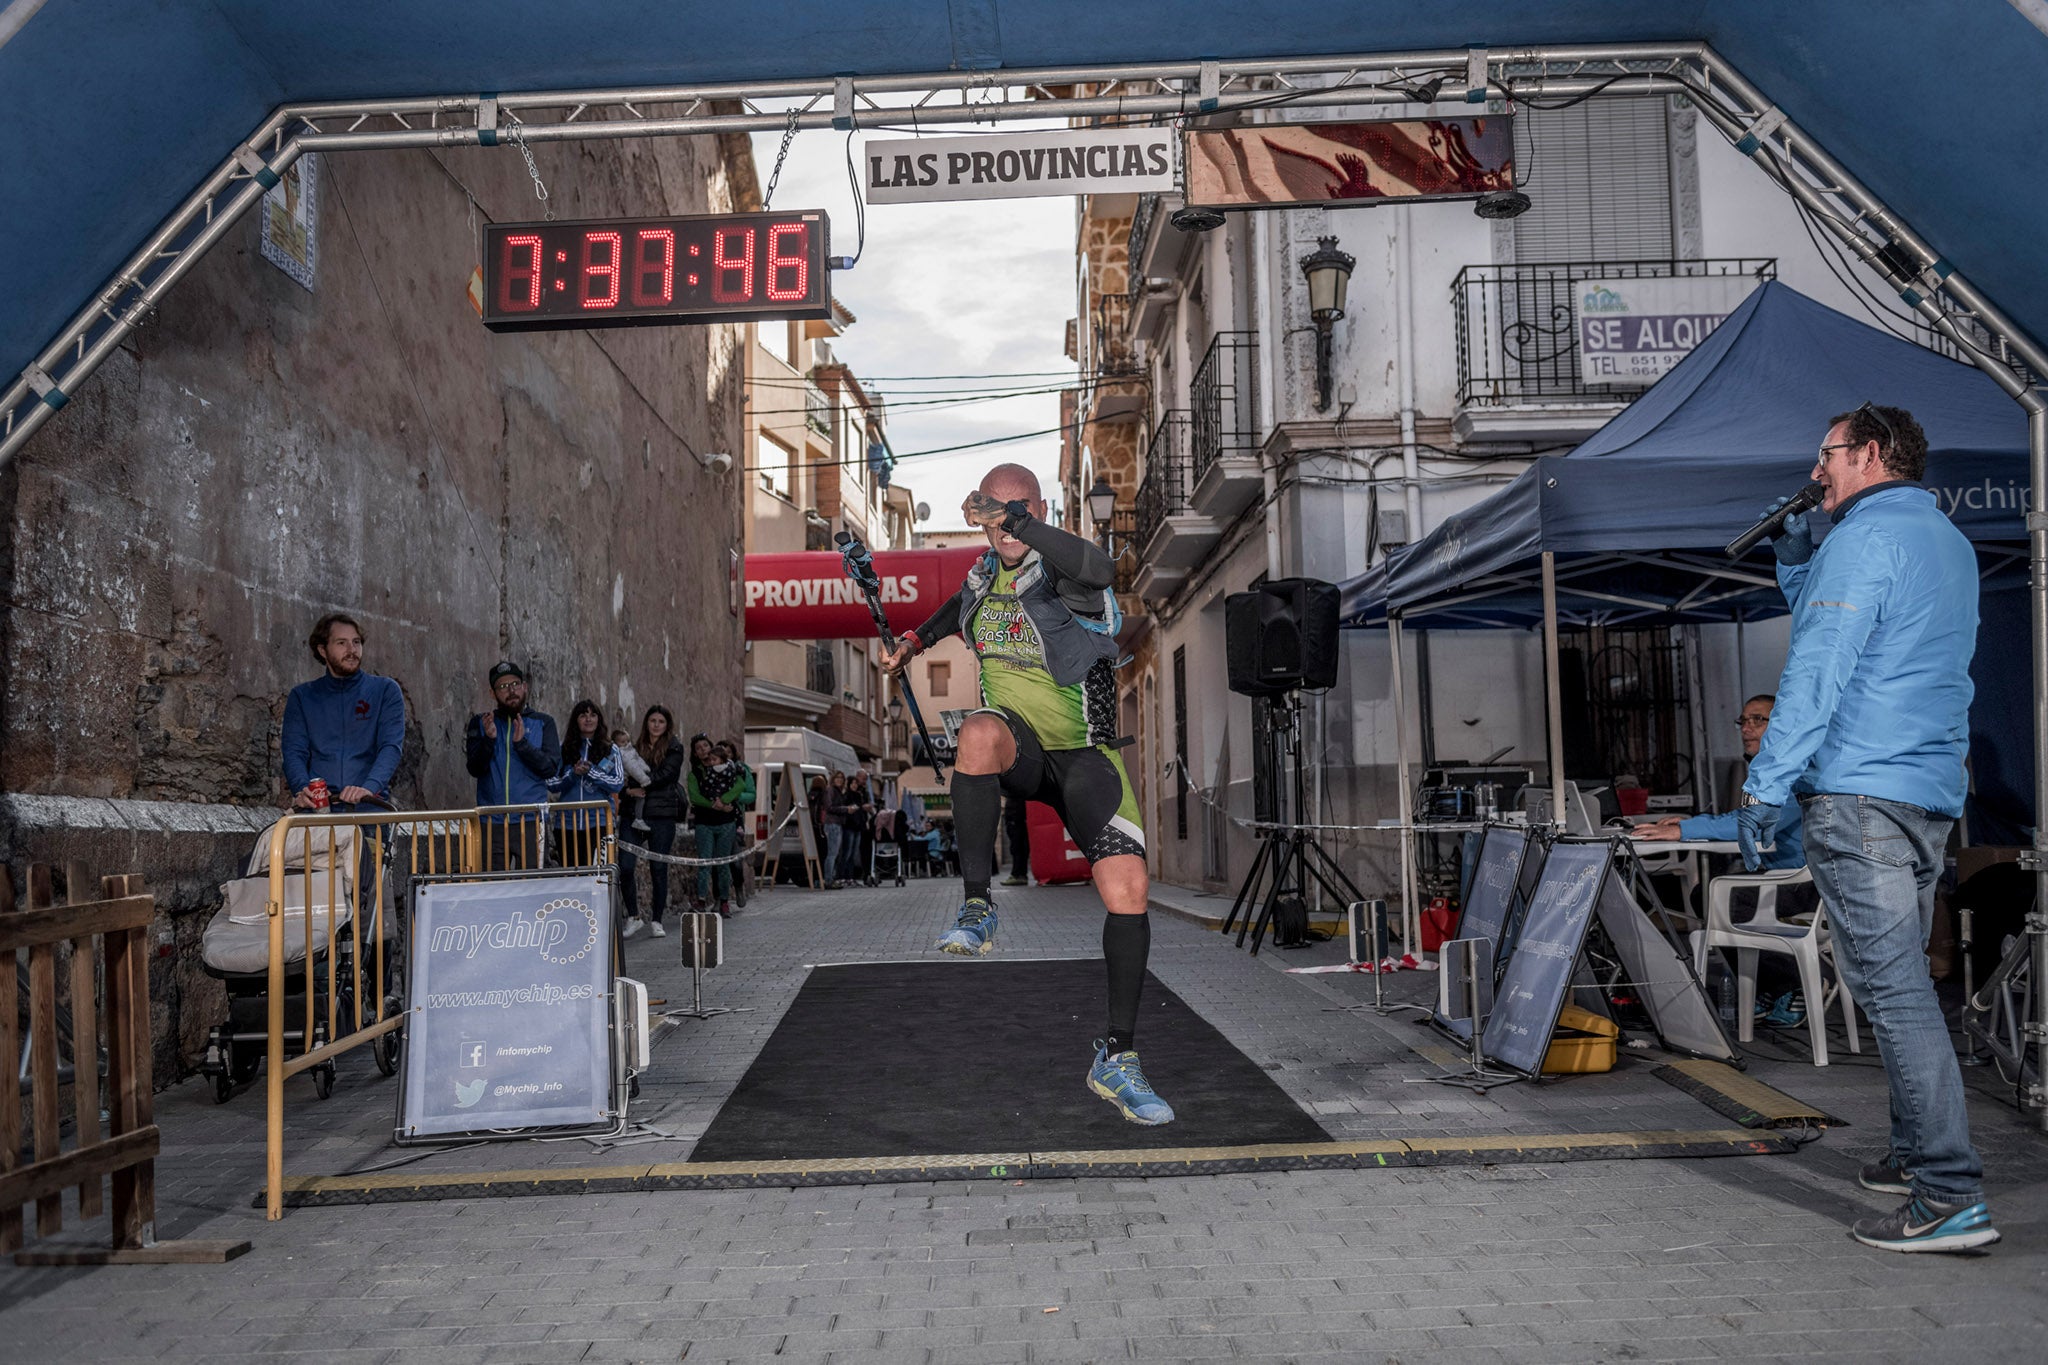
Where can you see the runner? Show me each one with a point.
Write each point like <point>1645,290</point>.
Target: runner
<point>1040,613</point>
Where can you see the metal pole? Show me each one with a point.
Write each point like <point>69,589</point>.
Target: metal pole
<point>1554,703</point>
<point>1411,914</point>
<point>2037,922</point>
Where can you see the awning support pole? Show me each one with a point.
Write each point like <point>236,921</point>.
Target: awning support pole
<point>1553,702</point>
<point>1411,915</point>
<point>2035,401</point>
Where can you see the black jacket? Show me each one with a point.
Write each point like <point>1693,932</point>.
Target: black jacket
<point>665,787</point>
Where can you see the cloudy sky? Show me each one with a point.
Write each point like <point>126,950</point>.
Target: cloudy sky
<point>982,289</point>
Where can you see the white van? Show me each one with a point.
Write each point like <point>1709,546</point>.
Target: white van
<point>775,753</point>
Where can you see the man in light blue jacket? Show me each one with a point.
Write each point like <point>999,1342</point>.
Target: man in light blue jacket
<point>1869,731</point>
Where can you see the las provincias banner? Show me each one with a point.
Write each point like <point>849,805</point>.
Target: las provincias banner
<point>809,597</point>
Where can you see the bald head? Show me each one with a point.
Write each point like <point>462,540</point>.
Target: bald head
<point>1011,483</point>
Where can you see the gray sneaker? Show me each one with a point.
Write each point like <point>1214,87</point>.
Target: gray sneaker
<point>1886,1177</point>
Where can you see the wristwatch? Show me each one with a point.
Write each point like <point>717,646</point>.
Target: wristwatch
<point>1018,516</point>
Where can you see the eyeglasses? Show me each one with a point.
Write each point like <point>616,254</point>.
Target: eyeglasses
<point>1891,436</point>
<point>1744,722</point>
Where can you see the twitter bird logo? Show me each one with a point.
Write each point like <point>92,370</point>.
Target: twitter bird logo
<point>466,1095</point>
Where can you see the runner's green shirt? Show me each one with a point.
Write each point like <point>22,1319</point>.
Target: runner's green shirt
<point>1013,672</point>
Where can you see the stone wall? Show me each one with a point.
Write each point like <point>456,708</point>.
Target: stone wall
<point>259,454</point>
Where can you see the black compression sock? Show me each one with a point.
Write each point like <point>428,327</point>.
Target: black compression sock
<point>1126,943</point>
<point>977,814</point>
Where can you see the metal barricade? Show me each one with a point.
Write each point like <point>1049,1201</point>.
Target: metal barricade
<point>570,835</point>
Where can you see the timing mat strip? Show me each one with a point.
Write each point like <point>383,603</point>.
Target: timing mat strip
<point>399,1187</point>
<point>1745,1099</point>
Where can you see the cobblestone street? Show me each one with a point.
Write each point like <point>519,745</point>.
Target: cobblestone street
<point>1597,1260</point>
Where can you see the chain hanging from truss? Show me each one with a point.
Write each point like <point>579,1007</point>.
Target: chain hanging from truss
<point>540,186</point>
<point>788,136</point>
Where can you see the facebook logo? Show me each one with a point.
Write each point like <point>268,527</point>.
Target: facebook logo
<point>472,1056</point>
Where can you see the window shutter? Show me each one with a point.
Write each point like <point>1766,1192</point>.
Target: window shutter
<point>1598,176</point>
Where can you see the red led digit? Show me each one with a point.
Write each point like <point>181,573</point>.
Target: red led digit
<point>525,277</point>
<point>654,267</point>
<point>600,278</point>
<point>798,262</point>
<point>725,268</point>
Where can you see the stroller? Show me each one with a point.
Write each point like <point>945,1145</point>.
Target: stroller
<point>235,950</point>
<point>888,847</point>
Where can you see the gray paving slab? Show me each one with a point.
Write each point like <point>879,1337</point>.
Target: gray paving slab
<point>1637,1260</point>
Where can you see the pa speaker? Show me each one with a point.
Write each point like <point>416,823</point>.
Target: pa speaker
<point>1280,636</point>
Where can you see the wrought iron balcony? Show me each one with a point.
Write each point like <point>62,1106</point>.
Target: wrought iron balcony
<point>1518,336</point>
<point>817,410</point>
<point>1134,252</point>
<point>1225,429</point>
<point>1163,492</point>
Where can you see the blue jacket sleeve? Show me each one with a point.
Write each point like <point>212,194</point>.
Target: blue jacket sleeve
<point>543,755</point>
<point>1835,604</point>
<point>609,775</point>
<point>390,739</point>
<point>1707,826</point>
<point>294,744</point>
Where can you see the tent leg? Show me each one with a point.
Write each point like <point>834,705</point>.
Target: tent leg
<point>2036,403</point>
<point>1555,704</point>
<point>1411,914</point>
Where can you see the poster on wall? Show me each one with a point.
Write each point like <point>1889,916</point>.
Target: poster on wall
<point>291,220</point>
<point>509,1024</point>
<point>1326,165</point>
<point>1631,332</point>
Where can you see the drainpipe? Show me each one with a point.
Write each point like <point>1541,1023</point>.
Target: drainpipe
<point>1404,364</point>
<point>1264,315</point>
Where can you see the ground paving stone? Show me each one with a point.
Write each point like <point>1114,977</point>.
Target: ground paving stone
<point>1649,1260</point>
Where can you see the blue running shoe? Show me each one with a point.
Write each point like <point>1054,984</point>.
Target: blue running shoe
<point>1923,1223</point>
<point>1121,1081</point>
<point>973,932</point>
<point>1789,1011</point>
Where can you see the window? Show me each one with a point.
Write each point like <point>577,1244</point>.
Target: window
<point>940,678</point>
<point>1599,182</point>
<point>772,463</point>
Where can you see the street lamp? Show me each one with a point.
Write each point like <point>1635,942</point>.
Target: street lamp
<point>1102,508</point>
<point>1329,275</point>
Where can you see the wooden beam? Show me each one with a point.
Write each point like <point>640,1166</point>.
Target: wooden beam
<point>10,1081</point>
<point>85,1039</point>
<point>42,1050</point>
<point>48,924</point>
<point>42,1178</point>
<point>191,1252</point>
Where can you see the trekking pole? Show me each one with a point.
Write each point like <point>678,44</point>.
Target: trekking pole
<point>860,567</point>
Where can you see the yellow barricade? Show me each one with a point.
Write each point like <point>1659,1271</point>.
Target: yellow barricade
<point>314,848</point>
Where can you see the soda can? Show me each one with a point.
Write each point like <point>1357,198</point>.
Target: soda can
<point>317,791</point>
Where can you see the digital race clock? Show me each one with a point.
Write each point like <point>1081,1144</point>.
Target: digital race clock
<point>641,272</point>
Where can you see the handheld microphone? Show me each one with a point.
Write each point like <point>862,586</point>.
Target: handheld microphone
<point>860,565</point>
<point>1805,499</point>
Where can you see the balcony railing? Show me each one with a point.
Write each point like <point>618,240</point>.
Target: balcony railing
<point>1141,230</point>
<point>817,410</point>
<point>1224,394</point>
<point>1112,354</point>
<point>1163,492</point>
<point>1518,336</point>
<point>819,673</point>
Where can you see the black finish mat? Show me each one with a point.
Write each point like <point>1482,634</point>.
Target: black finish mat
<point>915,1058</point>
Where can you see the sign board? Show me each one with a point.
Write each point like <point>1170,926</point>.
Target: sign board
<point>1490,903</point>
<point>509,1023</point>
<point>1631,332</point>
<point>291,220</point>
<point>806,595</point>
<point>638,272</point>
<point>1020,165</point>
<point>1662,978</point>
<point>1538,977</point>
<point>1320,165</point>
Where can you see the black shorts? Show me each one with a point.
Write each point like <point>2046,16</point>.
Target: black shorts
<point>1088,787</point>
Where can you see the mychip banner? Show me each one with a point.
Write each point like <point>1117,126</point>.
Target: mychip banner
<point>1019,165</point>
<point>509,1022</point>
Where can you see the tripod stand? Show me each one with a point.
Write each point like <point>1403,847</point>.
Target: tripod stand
<point>1288,854</point>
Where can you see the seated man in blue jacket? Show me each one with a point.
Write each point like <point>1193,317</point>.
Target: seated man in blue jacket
<point>1788,848</point>
<point>513,752</point>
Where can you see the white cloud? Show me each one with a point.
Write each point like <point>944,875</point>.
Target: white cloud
<point>966,288</point>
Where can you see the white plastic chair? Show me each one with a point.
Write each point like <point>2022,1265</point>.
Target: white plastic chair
<point>1807,944</point>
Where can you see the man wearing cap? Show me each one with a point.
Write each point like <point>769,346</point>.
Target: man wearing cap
<point>513,751</point>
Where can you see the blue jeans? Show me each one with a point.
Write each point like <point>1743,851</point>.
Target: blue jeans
<point>1875,863</point>
<point>834,834</point>
<point>716,841</point>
